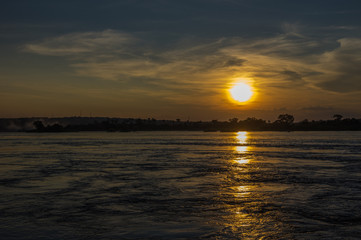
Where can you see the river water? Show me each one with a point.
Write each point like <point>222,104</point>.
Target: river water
<point>180,185</point>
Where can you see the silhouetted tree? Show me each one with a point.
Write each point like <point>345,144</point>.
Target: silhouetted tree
<point>305,121</point>
<point>284,122</point>
<point>253,123</point>
<point>337,117</point>
<point>55,128</point>
<point>39,125</point>
<point>233,120</point>
<point>285,119</point>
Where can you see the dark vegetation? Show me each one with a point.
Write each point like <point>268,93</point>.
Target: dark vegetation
<point>284,122</point>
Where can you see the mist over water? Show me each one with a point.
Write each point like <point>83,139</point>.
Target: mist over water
<point>180,185</point>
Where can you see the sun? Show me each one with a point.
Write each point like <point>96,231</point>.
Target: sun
<point>241,92</point>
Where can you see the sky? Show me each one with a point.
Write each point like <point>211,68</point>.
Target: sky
<point>169,59</point>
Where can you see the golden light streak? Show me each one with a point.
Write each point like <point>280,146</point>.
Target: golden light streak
<point>242,139</point>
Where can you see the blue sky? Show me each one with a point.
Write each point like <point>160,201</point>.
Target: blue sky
<point>177,59</point>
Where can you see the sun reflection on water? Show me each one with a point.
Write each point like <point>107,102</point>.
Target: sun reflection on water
<point>245,199</point>
<point>240,192</point>
<point>242,151</point>
<point>242,137</point>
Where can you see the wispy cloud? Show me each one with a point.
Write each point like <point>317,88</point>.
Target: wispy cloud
<point>342,67</point>
<point>189,70</point>
<point>111,55</point>
<point>186,71</point>
<point>79,43</point>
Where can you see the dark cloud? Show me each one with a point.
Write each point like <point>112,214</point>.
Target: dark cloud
<point>234,62</point>
<point>344,67</point>
<point>292,76</point>
<point>221,61</point>
<point>343,84</point>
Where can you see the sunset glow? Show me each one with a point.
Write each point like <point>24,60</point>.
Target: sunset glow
<point>141,59</point>
<point>241,92</point>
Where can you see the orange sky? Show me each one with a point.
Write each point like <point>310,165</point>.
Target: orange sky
<point>174,60</point>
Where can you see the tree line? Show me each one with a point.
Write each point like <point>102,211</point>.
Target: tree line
<point>284,122</point>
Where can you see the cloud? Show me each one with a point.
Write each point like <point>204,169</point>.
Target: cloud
<point>288,61</point>
<point>191,68</point>
<point>293,77</point>
<point>113,55</point>
<point>234,62</point>
<point>342,67</point>
<point>80,43</point>
<point>179,74</point>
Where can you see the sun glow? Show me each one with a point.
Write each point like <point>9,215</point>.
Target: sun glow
<point>241,92</point>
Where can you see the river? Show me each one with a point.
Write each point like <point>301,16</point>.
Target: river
<point>180,185</point>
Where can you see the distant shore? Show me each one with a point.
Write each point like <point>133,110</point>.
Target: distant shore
<point>285,122</point>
